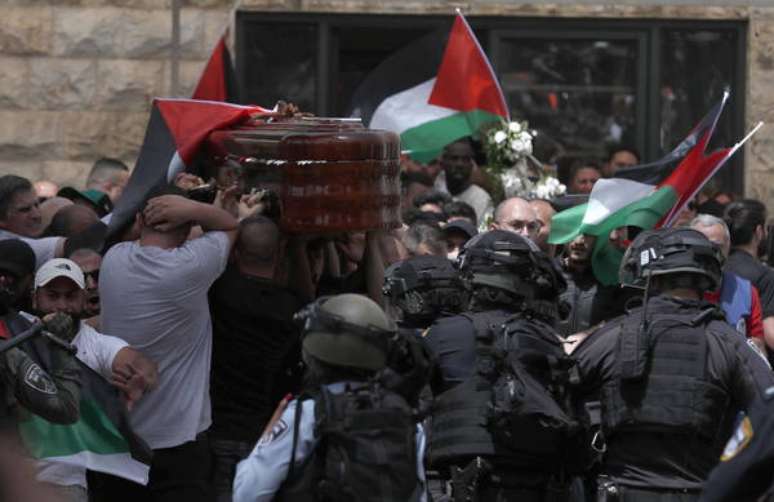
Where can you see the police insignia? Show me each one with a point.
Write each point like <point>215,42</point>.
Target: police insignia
<point>36,378</point>
<point>277,431</point>
<point>739,440</point>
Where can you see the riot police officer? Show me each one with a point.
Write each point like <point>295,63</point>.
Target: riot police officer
<point>419,291</point>
<point>499,427</point>
<point>670,376</point>
<point>54,396</point>
<point>746,468</point>
<point>422,289</point>
<point>348,438</point>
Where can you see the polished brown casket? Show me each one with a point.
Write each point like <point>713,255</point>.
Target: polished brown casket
<point>330,175</point>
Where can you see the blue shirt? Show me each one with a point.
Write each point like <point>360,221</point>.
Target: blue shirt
<point>260,475</point>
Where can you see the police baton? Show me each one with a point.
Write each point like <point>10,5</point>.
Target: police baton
<point>34,331</point>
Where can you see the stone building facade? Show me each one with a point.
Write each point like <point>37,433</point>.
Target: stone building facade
<point>78,75</point>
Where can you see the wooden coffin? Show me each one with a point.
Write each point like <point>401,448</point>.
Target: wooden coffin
<point>330,175</point>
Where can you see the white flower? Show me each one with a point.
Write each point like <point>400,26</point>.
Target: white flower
<point>517,146</point>
<point>525,136</point>
<point>500,136</point>
<point>514,127</point>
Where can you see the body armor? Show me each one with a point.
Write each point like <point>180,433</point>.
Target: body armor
<point>663,385</point>
<point>366,451</point>
<point>503,411</point>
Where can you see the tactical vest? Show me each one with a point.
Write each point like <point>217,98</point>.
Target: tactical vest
<point>736,301</point>
<point>502,410</point>
<point>581,302</point>
<point>366,451</point>
<point>408,366</point>
<point>664,386</point>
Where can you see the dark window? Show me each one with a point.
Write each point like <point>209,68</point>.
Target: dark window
<point>584,83</point>
<point>279,61</point>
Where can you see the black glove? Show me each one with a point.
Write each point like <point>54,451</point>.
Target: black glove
<point>61,325</point>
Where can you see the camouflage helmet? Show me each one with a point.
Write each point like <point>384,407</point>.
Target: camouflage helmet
<point>346,330</point>
<point>670,251</point>
<point>508,261</point>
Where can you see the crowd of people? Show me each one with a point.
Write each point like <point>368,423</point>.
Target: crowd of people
<point>460,357</point>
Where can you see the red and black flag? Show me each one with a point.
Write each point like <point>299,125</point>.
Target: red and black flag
<point>647,196</point>
<point>218,80</point>
<point>176,130</point>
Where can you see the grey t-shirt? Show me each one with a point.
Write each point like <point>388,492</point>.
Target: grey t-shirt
<point>44,248</point>
<point>156,300</point>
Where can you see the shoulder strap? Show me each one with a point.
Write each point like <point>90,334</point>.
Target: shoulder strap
<point>485,329</point>
<point>633,348</point>
<point>296,426</point>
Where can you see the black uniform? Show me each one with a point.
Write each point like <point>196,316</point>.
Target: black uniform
<point>500,446</point>
<point>669,395</point>
<point>54,396</point>
<point>590,302</point>
<point>746,470</point>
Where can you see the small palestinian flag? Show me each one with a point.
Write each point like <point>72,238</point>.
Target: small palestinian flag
<point>176,130</point>
<point>432,92</point>
<point>647,196</point>
<point>218,80</point>
<point>101,440</point>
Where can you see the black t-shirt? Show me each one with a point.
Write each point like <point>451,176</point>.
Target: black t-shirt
<point>255,350</point>
<point>745,265</point>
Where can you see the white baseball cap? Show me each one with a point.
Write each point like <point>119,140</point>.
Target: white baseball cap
<point>59,267</point>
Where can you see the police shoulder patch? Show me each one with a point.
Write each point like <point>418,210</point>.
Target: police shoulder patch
<point>739,440</point>
<point>277,431</point>
<point>39,380</point>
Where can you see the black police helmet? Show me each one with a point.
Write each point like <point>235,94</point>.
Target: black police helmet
<point>508,261</point>
<point>424,285</point>
<point>670,251</point>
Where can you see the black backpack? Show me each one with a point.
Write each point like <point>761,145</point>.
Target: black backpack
<point>530,377</point>
<point>366,451</point>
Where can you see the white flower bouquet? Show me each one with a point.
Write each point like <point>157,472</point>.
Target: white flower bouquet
<point>508,148</point>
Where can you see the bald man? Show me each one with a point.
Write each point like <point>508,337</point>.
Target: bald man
<point>518,216</point>
<point>255,347</point>
<point>544,212</point>
<point>72,220</point>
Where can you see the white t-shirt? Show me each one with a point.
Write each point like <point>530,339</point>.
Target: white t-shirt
<point>156,299</point>
<point>44,248</point>
<point>475,196</point>
<point>97,351</point>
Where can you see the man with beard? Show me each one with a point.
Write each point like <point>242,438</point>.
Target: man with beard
<point>89,261</point>
<point>24,386</point>
<point>457,164</point>
<point>589,301</point>
<point>60,289</point>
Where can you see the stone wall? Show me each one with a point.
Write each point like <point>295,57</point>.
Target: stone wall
<point>78,78</point>
<point>79,74</point>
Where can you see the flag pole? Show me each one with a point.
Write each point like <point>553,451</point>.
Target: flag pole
<point>741,142</point>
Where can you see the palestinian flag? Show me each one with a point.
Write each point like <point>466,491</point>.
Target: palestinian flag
<point>643,196</point>
<point>432,92</point>
<point>218,80</point>
<point>101,440</point>
<point>176,130</point>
